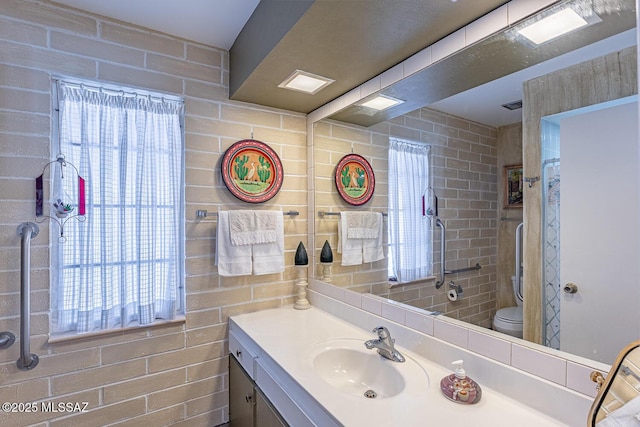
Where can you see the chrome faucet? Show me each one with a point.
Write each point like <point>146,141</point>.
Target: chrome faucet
<point>384,344</point>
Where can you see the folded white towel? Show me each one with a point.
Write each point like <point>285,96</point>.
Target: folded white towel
<point>363,225</point>
<point>268,258</point>
<point>249,227</point>
<point>231,260</point>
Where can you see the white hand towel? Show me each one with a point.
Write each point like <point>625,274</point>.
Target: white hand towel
<point>268,258</point>
<point>363,225</point>
<point>249,227</point>
<point>351,249</point>
<point>372,249</point>
<point>231,260</point>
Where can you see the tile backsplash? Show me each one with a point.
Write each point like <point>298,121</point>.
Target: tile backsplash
<point>562,369</point>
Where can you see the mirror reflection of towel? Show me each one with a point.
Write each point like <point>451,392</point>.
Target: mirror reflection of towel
<point>626,416</point>
<point>351,249</point>
<point>355,251</point>
<point>363,225</point>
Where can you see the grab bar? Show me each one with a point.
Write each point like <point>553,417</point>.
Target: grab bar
<point>6,339</point>
<point>27,361</point>
<point>443,246</point>
<point>322,214</point>
<point>464,270</point>
<point>518,284</point>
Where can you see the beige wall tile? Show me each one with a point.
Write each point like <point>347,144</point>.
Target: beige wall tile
<point>96,49</point>
<point>22,33</point>
<point>34,389</point>
<point>167,416</point>
<point>116,73</point>
<point>145,347</point>
<point>22,100</point>
<point>169,396</point>
<point>16,122</point>
<point>191,356</point>
<point>94,377</point>
<point>206,335</point>
<point>56,62</point>
<point>141,39</point>
<point>214,417</point>
<point>205,55</point>
<point>105,414</point>
<point>207,369</point>
<point>128,389</point>
<point>177,67</point>
<point>51,17</point>
<point>202,405</point>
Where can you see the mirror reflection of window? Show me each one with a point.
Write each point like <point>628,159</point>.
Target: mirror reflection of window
<point>410,244</point>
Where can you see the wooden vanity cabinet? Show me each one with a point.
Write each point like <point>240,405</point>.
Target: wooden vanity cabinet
<point>248,406</point>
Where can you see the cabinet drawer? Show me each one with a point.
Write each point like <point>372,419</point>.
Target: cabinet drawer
<point>245,356</point>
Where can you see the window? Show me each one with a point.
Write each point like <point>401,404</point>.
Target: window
<point>410,243</point>
<point>123,265</point>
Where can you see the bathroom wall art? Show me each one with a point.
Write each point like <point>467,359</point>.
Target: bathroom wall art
<point>252,171</point>
<point>512,179</point>
<point>354,179</point>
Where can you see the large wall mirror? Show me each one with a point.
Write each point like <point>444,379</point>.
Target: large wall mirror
<point>475,142</point>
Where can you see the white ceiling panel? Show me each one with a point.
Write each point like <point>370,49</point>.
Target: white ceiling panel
<point>213,22</point>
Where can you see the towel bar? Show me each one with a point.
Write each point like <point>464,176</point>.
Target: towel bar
<point>200,213</point>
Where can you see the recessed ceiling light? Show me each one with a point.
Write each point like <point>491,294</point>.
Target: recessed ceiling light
<point>381,102</point>
<point>552,26</point>
<point>303,81</point>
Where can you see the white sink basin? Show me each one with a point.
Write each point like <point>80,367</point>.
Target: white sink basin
<point>348,366</point>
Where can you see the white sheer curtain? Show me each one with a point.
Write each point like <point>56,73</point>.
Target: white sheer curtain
<point>410,244</point>
<point>124,263</point>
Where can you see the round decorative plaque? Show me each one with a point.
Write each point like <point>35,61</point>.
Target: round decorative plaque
<point>252,171</point>
<point>354,179</point>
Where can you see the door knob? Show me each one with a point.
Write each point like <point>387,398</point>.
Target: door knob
<point>570,288</point>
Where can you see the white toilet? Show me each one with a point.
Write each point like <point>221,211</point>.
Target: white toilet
<point>508,320</point>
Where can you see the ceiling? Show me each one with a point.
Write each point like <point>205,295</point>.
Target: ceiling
<point>212,22</point>
<point>483,104</point>
<point>348,41</point>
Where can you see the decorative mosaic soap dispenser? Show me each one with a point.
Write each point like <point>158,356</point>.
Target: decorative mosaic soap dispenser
<point>460,388</point>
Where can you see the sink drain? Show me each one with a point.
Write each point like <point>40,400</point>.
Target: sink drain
<point>370,394</point>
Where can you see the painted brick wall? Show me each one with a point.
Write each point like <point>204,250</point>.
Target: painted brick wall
<point>151,376</point>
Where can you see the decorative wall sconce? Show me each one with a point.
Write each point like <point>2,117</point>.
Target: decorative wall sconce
<point>326,259</point>
<point>63,206</point>
<point>301,261</point>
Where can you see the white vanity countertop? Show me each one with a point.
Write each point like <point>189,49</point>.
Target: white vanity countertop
<point>287,336</point>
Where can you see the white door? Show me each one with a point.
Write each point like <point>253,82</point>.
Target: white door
<point>599,231</point>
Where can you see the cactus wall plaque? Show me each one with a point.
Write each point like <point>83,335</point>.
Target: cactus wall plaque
<point>354,179</point>
<point>252,171</point>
